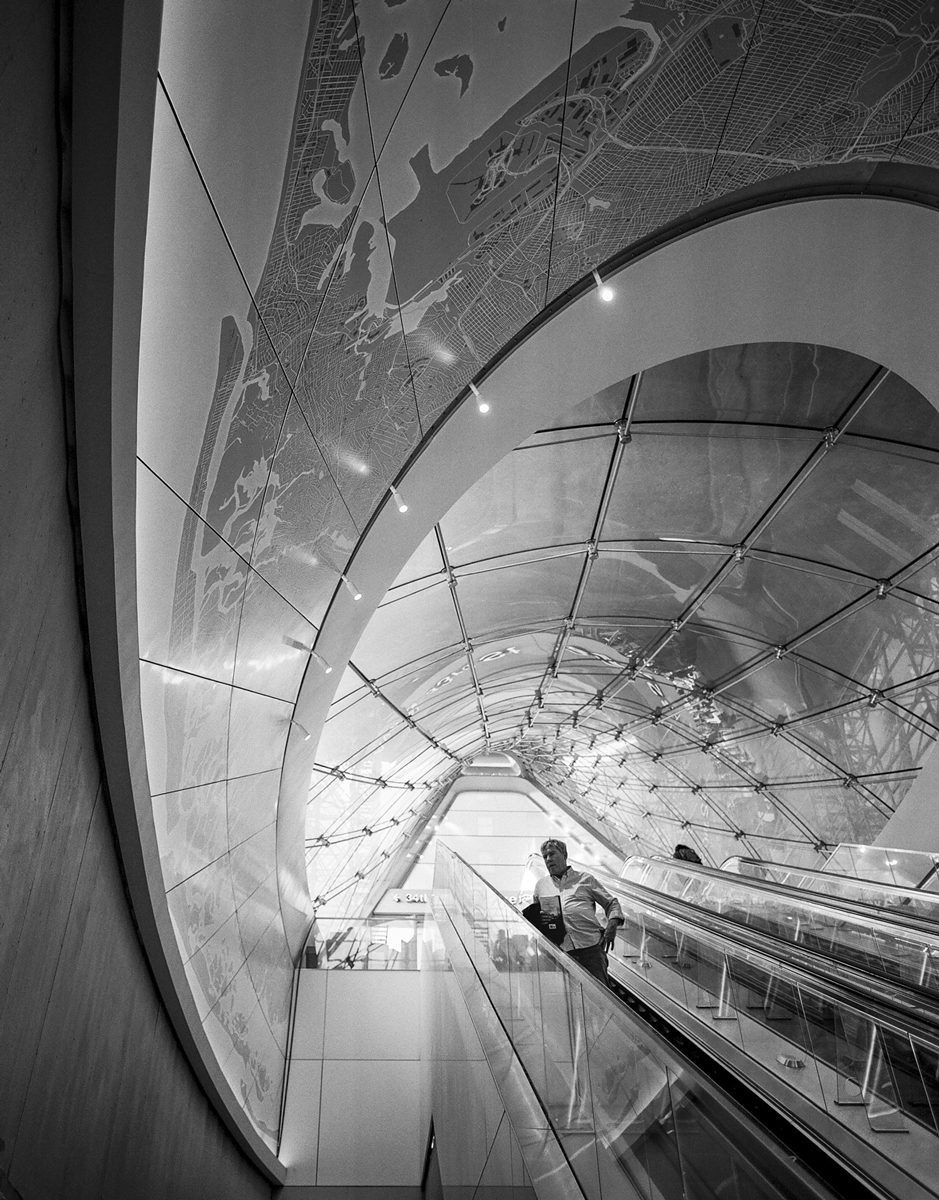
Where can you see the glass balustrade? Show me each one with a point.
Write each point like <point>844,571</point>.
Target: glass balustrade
<point>881,864</point>
<point>368,944</point>
<point>864,1069</point>
<point>887,946</point>
<point>889,898</point>
<point>631,1120</point>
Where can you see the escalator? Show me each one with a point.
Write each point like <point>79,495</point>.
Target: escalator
<point>898,944</point>
<point>610,1105</point>
<point>903,900</point>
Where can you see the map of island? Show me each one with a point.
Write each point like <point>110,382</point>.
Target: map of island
<point>460,66</point>
<point>394,56</point>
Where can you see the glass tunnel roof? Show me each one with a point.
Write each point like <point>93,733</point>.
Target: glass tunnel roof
<point>702,608</point>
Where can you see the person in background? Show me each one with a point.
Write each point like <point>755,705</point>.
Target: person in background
<point>687,854</point>
<point>578,894</point>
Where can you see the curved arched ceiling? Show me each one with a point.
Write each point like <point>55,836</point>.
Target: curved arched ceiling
<point>354,209</point>
<point>702,606</point>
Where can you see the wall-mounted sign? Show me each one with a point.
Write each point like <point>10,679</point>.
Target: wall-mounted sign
<point>397,900</point>
<point>400,900</point>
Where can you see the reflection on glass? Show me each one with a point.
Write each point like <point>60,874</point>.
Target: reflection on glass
<point>543,496</point>
<point>372,944</point>
<point>701,486</point>
<point>773,602</point>
<point>905,868</point>
<point>896,896</point>
<point>868,510</point>
<point>350,732</point>
<point>882,645</point>
<point>890,951</point>
<point>645,585</point>
<point>778,382</point>
<point>516,596</point>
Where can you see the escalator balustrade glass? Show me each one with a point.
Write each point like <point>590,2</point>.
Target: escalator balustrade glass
<point>814,1046</point>
<point>632,1121</point>
<point>904,901</point>
<point>890,947</point>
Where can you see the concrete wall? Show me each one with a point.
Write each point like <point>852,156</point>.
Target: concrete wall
<point>97,1099</point>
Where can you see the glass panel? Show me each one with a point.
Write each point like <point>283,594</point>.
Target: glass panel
<point>907,868</point>
<point>391,755</point>
<point>186,722</point>
<point>191,830</point>
<point>886,643</point>
<point>273,642</point>
<point>440,689</point>
<point>918,705</point>
<point>363,723</point>
<point>375,944</point>
<point>187,611</point>
<point>437,129</point>
<point>774,759</point>
<point>863,509</point>
<point>535,497</point>
<point>515,596</point>
<point>521,653</point>
<point>307,533</point>
<point>925,581</point>
<point>405,629</point>
<point>655,585</point>
<point>773,601</point>
<point>776,382</point>
<point>257,732</point>
<point>763,813</point>
<point>370,423</point>
<point>712,483</point>
<point>898,412</point>
<point>865,739</point>
<point>781,689</point>
<point>210,62</point>
<point>401,684</point>
<point>833,811</point>
<point>196,301</point>
<point>698,656</point>
<point>393,46</point>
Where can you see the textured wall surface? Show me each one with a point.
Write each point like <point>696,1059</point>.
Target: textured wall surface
<point>97,1098</point>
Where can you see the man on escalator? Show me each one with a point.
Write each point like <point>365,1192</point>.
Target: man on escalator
<point>578,894</point>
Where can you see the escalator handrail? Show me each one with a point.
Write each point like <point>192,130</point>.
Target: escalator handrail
<point>900,925</point>
<point>904,1010</point>
<point>901,891</point>
<point>565,960</point>
<point>646,1032</point>
<point>859,1161</point>
<point>438,907</point>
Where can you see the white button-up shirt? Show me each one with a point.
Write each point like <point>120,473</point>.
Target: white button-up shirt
<point>578,893</point>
